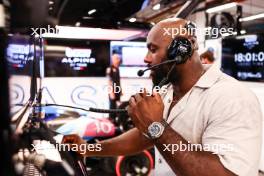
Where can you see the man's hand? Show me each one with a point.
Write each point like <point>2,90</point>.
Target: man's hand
<point>145,109</point>
<point>74,140</point>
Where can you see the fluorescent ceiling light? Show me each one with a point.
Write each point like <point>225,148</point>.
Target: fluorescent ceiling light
<point>87,17</point>
<point>156,7</point>
<point>132,20</point>
<point>221,7</point>
<point>78,24</point>
<point>243,32</point>
<point>92,11</point>
<point>253,17</point>
<point>51,2</point>
<point>93,33</point>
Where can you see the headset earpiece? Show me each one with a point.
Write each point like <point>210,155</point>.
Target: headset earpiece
<point>180,50</point>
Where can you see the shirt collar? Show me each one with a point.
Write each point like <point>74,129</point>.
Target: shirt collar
<point>210,77</point>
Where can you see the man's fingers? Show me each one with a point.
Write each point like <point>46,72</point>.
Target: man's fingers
<point>132,101</point>
<point>138,97</point>
<point>143,93</point>
<point>72,138</point>
<point>132,116</point>
<point>157,96</point>
<point>128,110</point>
<point>131,111</point>
<point>68,139</point>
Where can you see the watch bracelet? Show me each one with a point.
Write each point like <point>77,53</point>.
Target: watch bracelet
<point>163,123</point>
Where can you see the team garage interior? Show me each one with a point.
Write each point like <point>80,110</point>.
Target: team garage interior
<point>55,60</point>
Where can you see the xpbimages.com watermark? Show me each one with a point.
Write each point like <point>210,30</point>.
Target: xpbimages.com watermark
<point>40,31</point>
<point>209,31</point>
<point>133,90</point>
<point>80,148</point>
<point>215,148</point>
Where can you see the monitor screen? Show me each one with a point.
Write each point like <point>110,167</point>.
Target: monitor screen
<point>20,55</point>
<point>132,57</point>
<point>76,58</point>
<point>243,57</point>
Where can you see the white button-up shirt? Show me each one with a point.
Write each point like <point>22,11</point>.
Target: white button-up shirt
<point>218,110</point>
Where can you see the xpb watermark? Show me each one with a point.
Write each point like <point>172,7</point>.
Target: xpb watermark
<point>215,148</point>
<point>42,30</point>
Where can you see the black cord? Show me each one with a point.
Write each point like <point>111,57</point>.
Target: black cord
<point>108,110</point>
<point>165,80</point>
<point>62,7</point>
<point>90,109</point>
<point>66,106</point>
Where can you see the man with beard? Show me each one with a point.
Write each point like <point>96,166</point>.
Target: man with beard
<point>206,124</point>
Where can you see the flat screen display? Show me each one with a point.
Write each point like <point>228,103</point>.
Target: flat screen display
<point>19,56</point>
<point>132,57</point>
<point>76,59</point>
<point>243,57</point>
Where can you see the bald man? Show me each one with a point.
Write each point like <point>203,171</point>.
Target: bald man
<point>206,123</point>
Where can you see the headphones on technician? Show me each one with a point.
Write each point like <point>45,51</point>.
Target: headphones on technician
<point>179,50</point>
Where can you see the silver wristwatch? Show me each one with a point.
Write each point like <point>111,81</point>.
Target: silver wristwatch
<point>156,129</point>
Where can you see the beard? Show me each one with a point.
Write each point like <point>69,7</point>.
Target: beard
<point>158,75</point>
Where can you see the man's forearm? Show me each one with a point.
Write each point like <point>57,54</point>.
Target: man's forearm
<point>189,163</point>
<point>128,143</point>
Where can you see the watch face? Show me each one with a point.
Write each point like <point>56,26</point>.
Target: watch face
<point>155,129</point>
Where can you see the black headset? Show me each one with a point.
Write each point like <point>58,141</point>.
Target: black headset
<point>181,48</point>
<point>178,52</point>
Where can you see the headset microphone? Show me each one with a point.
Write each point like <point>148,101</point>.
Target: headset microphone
<point>141,72</point>
<point>178,52</point>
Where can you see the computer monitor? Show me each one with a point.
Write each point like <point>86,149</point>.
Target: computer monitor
<point>75,58</point>
<point>22,56</point>
<point>243,57</point>
<point>132,57</point>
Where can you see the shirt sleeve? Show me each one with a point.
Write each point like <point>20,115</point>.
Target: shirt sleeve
<point>233,132</point>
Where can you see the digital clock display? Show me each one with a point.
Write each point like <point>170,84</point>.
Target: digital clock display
<point>243,57</point>
<point>249,57</point>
